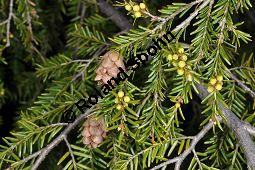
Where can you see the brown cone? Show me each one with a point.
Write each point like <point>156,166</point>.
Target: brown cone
<point>108,68</point>
<point>93,132</point>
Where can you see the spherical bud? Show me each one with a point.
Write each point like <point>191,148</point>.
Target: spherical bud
<point>181,64</point>
<point>177,105</point>
<point>11,35</point>
<point>218,86</point>
<point>116,100</point>
<point>189,77</point>
<point>136,8</point>
<point>170,57</point>
<point>213,81</point>
<point>128,7</point>
<point>210,89</point>
<point>4,40</point>
<point>184,57</point>
<point>126,99</point>
<point>142,5</point>
<point>175,63</point>
<point>120,94</point>
<point>219,77</point>
<point>175,57</point>
<point>119,107</point>
<point>180,71</point>
<point>180,50</point>
<point>138,14</point>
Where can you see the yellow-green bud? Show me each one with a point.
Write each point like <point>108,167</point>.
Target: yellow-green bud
<point>180,71</point>
<point>219,77</point>
<point>189,77</point>
<point>120,94</point>
<point>136,8</point>
<point>181,64</point>
<point>210,89</point>
<point>128,7</point>
<point>213,81</point>
<point>116,100</point>
<point>175,57</point>
<point>142,5</point>
<point>138,14</point>
<point>218,86</point>
<point>184,57</point>
<point>180,50</point>
<point>119,107</point>
<point>170,57</point>
<point>126,99</point>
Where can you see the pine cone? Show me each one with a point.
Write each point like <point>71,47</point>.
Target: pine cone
<point>93,132</point>
<point>109,67</point>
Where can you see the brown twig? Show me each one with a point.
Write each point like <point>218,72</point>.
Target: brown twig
<point>114,15</point>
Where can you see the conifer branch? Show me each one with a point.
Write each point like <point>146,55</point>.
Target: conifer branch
<point>45,151</point>
<point>179,159</point>
<point>114,15</point>
<point>172,16</point>
<point>241,84</point>
<point>192,16</point>
<point>70,151</point>
<point>240,128</point>
<point>8,23</point>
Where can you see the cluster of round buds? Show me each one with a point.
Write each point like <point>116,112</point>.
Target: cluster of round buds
<point>5,40</point>
<point>215,84</point>
<point>121,100</point>
<point>135,9</point>
<point>179,61</point>
<point>94,132</point>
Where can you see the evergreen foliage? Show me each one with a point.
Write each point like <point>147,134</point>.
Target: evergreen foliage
<point>49,54</point>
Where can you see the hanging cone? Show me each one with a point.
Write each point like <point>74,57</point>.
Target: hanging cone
<point>108,68</point>
<point>93,132</point>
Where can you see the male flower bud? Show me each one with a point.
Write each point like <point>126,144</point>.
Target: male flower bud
<point>184,57</point>
<point>126,99</point>
<point>210,89</point>
<point>181,64</point>
<point>219,77</point>
<point>175,57</point>
<point>136,8</point>
<point>218,86</point>
<point>128,7</point>
<point>137,14</point>
<point>119,107</point>
<point>120,94</point>
<point>189,77</point>
<point>142,5</point>
<point>170,57</point>
<point>180,71</point>
<point>180,50</point>
<point>213,81</point>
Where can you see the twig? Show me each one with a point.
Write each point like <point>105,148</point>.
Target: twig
<point>192,16</point>
<point>114,15</point>
<point>246,88</point>
<point>179,159</point>
<point>45,151</point>
<point>71,152</point>
<point>242,67</point>
<point>239,127</point>
<point>8,22</point>
<point>175,14</point>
